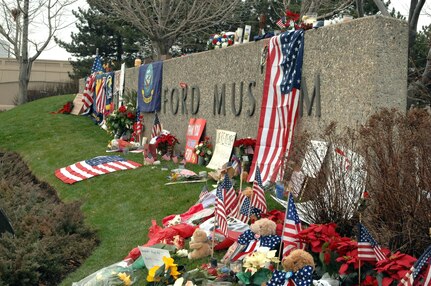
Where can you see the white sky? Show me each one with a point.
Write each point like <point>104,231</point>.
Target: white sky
<point>57,53</point>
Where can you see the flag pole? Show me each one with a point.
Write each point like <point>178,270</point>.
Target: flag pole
<point>359,260</point>
<point>282,231</point>
<point>97,52</point>
<point>240,187</point>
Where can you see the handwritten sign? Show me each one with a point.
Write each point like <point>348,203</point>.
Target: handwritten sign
<point>223,149</point>
<point>77,105</point>
<point>153,256</point>
<point>194,133</point>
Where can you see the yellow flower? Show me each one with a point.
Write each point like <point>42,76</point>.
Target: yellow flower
<point>169,264</point>
<point>152,273</point>
<point>125,278</point>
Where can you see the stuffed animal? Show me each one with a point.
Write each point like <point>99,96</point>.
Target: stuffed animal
<point>199,244</point>
<point>262,230</point>
<point>298,270</point>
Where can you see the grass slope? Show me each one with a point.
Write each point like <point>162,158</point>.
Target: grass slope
<point>121,205</point>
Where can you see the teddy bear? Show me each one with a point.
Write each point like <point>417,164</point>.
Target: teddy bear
<point>263,230</point>
<point>199,243</point>
<point>298,270</point>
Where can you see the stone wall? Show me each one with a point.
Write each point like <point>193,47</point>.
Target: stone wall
<point>362,67</point>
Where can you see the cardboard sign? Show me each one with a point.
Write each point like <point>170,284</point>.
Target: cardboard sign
<point>77,105</point>
<point>223,149</point>
<point>194,133</point>
<point>153,256</point>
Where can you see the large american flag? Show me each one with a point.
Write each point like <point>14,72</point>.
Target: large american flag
<point>220,211</point>
<point>412,274</point>
<point>157,127</point>
<point>94,167</point>
<point>279,109</point>
<point>258,199</point>
<point>368,249</point>
<point>292,225</point>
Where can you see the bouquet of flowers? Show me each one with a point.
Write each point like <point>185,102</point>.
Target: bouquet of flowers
<point>116,274</point>
<point>165,274</point>
<point>203,149</point>
<point>291,21</point>
<point>165,143</point>
<point>120,122</point>
<point>257,266</point>
<point>245,145</point>
<point>222,40</point>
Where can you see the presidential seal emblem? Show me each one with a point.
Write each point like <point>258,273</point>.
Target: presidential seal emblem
<point>147,90</point>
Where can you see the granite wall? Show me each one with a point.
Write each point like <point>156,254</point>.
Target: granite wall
<point>362,66</point>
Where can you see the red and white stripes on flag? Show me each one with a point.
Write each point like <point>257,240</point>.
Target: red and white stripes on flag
<point>220,211</point>
<point>230,199</point>
<point>94,167</point>
<point>292,226</point>
<point>411,275</point>
<point>279,110</point>
<point>100,94</point>
<point>87,96</point>
<point>258,199</point>
<point>368,249</point>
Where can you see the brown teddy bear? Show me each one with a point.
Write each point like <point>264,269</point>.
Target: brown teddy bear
<point>298,268</point>
<point>200,245</point>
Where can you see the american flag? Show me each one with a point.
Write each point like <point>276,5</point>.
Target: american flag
<point>258,199</point>
<point>94,167</point>
<point>244,208</point>
<point>220,210</point>
<point>413,273</point>
<point>292,225</point>
<point>230,199</point>
<point>87,96</point>
<point>279,109</point>
<point>97,65</point>
<point>281,22</point>
<point>368,249</point>
<point>157,127</point>
<point>100,95</point>
<point>204,193</point>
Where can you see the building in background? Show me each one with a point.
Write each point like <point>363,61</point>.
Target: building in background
<point>47,76</point>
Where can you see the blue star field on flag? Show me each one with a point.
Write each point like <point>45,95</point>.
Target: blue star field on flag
<point>303,277</point>
<point>97,65</point>
<point>292,44</point>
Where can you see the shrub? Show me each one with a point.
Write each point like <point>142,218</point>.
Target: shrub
<point>50,239</point>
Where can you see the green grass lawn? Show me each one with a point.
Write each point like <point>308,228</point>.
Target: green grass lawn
<point>119,206</point>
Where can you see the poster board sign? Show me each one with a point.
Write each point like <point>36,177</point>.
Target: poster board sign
<point>153,256</point>
<point>78,105</point>
<point>194,132</point>
<point>223,149</point>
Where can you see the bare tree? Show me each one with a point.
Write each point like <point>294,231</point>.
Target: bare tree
<point>18,17</point>
<point>165,21</point>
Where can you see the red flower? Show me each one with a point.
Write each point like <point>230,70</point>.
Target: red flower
<point>122,109</point>
<point>395,266</point>
<point>215,41</point>
<point>130,115</point>
<point>370,281</point>
<point>292,16</point>
<point>318,234</point>
<point>229,42</point>
<point>351,258</point>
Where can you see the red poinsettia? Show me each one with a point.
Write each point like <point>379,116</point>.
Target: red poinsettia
<point>292,16</point>
<point>316,235</point>
<point>245,142</point>
<point>350,258</point>
<point>395,266</point>
<point>370,281</point>
<point>122,109</point>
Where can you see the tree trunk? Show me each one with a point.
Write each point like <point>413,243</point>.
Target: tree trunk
<point>24,63</point>
<point>382,7</point>
<point>360,8</point>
